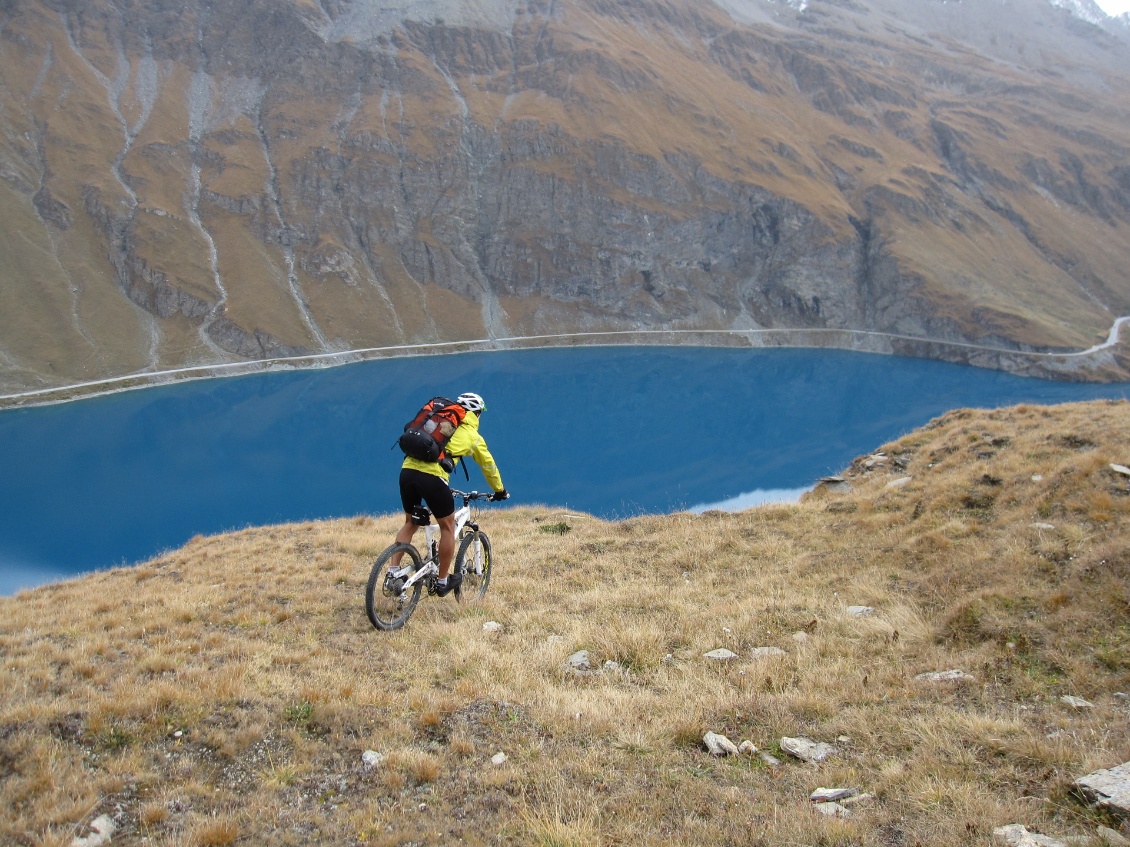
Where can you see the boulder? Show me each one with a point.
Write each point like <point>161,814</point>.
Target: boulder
<point>767,652</point>
<point>580,662</point>
<point>721,654</point>
<point>1076,702</point>
<point>1108,788</point>
<point>806,749</point>
<point>944,676</point>
<point>1017,835</point>
<point>101,831</point>
<point>836,484</point>
<point>832,795</point>
<point>719,745</point>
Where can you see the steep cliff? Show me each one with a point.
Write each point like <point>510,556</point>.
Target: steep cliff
<point>189,183</point>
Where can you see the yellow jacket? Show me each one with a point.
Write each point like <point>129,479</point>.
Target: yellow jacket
<point>465,442</point>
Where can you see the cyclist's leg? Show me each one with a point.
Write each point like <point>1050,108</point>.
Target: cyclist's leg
<point>411,498</point>
<point>438,496</point>
<point>404,536</point>
<point>446,543</point>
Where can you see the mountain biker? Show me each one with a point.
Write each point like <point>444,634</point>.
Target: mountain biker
<point>426,482</point>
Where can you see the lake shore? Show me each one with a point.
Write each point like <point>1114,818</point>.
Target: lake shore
<point>1106,362</point>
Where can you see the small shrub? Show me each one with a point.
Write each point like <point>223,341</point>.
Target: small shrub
<point>114,738</point>
<point>299,713</point>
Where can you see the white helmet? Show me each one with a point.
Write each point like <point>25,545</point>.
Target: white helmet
<point>471,402</point>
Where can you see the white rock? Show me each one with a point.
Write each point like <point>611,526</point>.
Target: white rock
<point>1043,526</point>
<point>800,637</point>
<point>1110,788</point>
<point>492,626</point>
<point>748,748</point>
<point>860,611</point>
<point>498,758</point>
<point>1076,702</point>
<point>719,745</point>
<point>611,666</point>
<point>832,810</point>
<point>371,758</point>
<point>580,661</point>
<point>944,676</point>
<point>900,482</point>
<point>807,749</point>
<point>101,831</point>
<point>830,795</point>
<point>1111,837</point>
<point>721,654</point>
<point>836,484</point>
<point>767,652</point>
<point>1017,835</point>
<point>1037,477</point>
<point>769,759</point>
<point>1122,469</point>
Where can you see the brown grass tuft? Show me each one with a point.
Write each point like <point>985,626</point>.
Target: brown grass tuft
<point>215,833</point>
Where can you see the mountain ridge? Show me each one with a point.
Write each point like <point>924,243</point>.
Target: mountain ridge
<point>282,179</point>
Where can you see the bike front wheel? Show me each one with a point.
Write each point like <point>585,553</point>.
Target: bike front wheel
<point>473,560</point>
<point>387,602</point>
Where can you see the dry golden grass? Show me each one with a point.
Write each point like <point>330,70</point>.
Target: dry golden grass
<point>224,693</point>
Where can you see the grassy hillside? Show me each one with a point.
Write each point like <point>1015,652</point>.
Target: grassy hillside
<point>225,693</point>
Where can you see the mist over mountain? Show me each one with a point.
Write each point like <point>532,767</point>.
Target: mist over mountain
<point>189,183</point>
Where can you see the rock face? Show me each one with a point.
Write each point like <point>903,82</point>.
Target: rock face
<point>1109,788</point>
<point>194,183</point>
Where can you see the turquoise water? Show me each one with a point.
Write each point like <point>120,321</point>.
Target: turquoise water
<point>613,431</point>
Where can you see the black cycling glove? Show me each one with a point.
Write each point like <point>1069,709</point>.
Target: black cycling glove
<point>500,495</point>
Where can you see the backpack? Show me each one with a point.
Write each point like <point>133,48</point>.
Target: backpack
<point>426,435</point>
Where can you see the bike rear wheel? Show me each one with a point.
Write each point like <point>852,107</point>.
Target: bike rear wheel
<point>387,603</point>
<point>473,560</point>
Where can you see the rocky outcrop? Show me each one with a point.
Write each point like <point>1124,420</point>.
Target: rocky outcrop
<point>280,178</point>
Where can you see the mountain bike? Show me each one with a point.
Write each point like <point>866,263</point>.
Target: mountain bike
<point>392,592</point>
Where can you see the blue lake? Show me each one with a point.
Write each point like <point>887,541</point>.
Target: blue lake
<point>613,431</point>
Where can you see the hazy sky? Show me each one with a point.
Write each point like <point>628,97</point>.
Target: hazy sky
<point>1114,7</point>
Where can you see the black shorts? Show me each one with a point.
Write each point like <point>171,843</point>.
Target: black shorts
<point>417,487</point>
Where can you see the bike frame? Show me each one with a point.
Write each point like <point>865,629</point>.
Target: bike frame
<point>431,538</point>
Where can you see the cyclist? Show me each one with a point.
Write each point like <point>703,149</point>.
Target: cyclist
<point>426,482</point>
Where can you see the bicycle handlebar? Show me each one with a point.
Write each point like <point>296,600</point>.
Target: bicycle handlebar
<point>472,495</point>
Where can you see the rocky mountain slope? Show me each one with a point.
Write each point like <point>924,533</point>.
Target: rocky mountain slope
<point>189,183</point>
